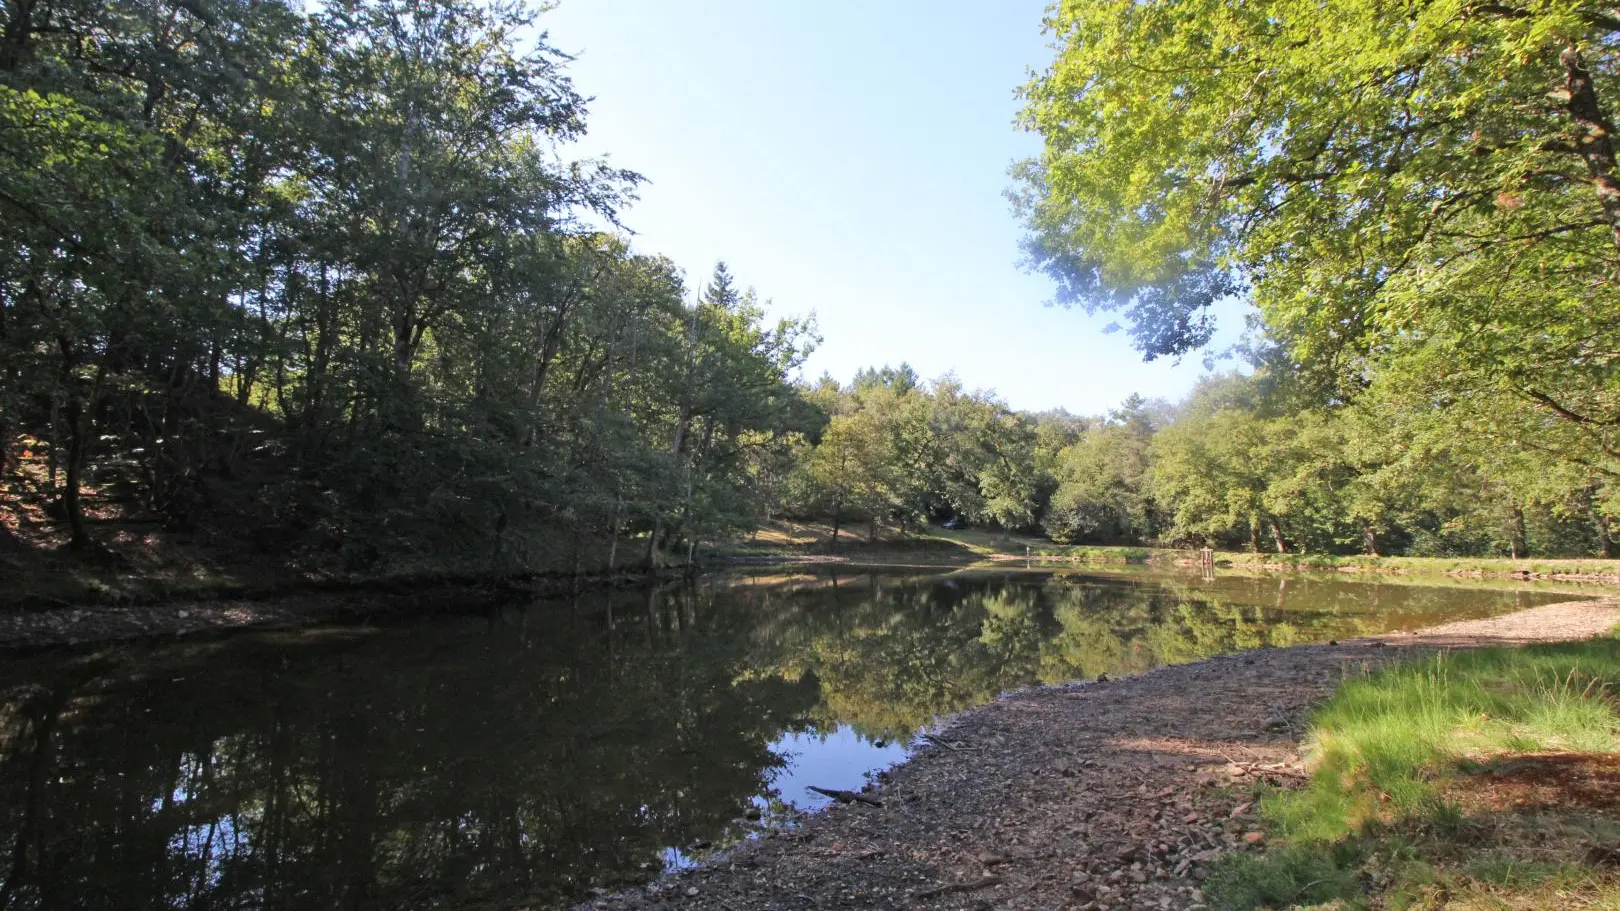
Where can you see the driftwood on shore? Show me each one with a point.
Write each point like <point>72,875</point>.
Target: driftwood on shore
<point>983,882</point>
<point>845,796</point>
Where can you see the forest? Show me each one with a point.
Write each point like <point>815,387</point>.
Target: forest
<point>325,287</point>
<point>1238,464</point>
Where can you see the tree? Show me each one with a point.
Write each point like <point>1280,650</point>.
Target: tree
<point>1431,188</point>
<point>1103,495</point>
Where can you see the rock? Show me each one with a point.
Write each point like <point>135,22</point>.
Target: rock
<point>691,891</point>
<point>1082,894</point>
<point>1254,838</point>
<point>1241,809</point>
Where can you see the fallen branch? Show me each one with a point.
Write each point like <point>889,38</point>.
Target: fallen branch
<point>845,796</point>
<point>955,748</point>
<point>983,882</point>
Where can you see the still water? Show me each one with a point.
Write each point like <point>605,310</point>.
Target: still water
<point>522,755</point>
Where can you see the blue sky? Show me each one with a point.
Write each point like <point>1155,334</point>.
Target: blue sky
<point>849,158</point>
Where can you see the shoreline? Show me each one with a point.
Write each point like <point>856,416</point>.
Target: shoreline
<point>37,625</point>
<point>1097,795</point>
<point>69,626</point>
<point>1167,558</point>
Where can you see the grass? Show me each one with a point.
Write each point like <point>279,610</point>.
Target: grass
<point>1479,780</point>
<point>1461,566</point>
<point>785,538</point>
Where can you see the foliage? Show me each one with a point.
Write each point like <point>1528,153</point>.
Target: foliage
<point>906,452</point>
<point>322,279</point>
<point>1241,463</point>
<point>1421,197</point>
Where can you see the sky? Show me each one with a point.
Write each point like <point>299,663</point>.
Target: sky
<point>849,159</point>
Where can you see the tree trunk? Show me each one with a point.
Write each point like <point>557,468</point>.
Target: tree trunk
<point>1518,546</point>
<point>613,534</point>
<point>9,384</point>
<point>652,544</point>
<point>52,462</point>
<point>79,539</point>
<point>1595,145</point>
<point>1369,539</point>
<point>1277,537</point>
<point>1254,535</point>
<point>17,39</point>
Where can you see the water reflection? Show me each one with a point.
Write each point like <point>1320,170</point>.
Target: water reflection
<point>526,755</point>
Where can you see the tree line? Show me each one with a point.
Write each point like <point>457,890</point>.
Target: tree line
<point>325,279</point>
<point>1240,463</point>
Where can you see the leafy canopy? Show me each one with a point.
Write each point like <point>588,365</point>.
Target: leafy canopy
<point>1429,188</point>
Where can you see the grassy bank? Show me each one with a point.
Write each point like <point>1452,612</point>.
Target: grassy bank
<point>1473,781</point>
<point>785,539</point>
<point>1455,566</point>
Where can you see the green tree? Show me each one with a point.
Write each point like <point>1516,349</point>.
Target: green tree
<point>1427,188</point>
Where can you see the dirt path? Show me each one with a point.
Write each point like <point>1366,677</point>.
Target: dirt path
<point>1111,794</point>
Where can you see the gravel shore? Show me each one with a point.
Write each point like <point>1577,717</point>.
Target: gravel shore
<point>1108,794</point>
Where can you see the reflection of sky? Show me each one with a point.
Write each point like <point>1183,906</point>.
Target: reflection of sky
<point>839,760</point>
<point>210,843</point>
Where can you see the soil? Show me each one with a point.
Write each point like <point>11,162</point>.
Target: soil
<point>1589,781</point>
<point>1112,794</point>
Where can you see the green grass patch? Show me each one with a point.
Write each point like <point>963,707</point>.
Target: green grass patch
<point>1467,780</point>
<point>1592,569</point>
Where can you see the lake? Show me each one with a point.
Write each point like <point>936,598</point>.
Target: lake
<point>526,755</point>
